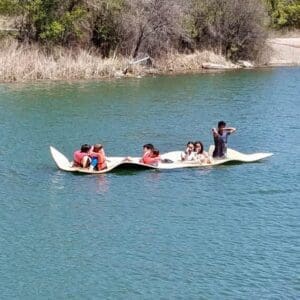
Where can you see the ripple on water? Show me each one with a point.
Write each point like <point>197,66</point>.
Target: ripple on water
<point>225,232</point>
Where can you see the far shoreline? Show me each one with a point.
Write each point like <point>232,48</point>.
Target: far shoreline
<point>28,64</point>
<point>147,75</point>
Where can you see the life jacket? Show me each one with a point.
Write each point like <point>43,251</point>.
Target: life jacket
<point>101,159</point>
<point>78,157</point>
<point>149,160</point>
<point>145,157</point>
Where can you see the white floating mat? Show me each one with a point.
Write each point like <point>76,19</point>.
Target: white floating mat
<point>114,162</point>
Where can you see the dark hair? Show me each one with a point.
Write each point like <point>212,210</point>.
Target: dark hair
<point>155,152</point>
<point>190,143</point>
<point>202,147</point>
<point>85,148</point>
<point>148,146</point>
<point>221,124</point>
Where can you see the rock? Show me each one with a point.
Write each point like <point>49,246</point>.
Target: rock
<point>218,66</point>
<point>245,64</point>
<point>119,74</point>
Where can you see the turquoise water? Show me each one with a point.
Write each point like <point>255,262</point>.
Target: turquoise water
<point>229,232</point>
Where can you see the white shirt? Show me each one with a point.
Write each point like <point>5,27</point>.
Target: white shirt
<point>188,156</point>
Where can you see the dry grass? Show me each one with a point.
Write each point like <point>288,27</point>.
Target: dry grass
<point>181,63</point>
<point>7,23</point>
<point>25,63</point>
<point>19,62</point>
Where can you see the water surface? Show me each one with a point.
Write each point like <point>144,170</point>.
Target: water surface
<point>230,232</point>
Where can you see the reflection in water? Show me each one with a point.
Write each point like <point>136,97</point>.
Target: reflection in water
<point>154,176</point>
<point>102,184</point>
<point>57,180</point>
<point>204,171</point>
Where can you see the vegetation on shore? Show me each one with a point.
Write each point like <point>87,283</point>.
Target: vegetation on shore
<point>56,39</point>
<point>30,62</point>
<point>284,13</point>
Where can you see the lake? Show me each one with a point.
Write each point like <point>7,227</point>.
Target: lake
<point>229,232</point>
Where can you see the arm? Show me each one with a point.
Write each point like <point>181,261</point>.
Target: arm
<point>103,152</point>
<point>92,154</point>
<point>142,159</point>
<point>230,129</point>
<point>99,155</point>
<point>207,157</point>
<point>215,132</point>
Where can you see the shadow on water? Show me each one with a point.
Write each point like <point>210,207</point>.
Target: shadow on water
<point>120,170</point>
<point>131,170</point>
<point>234,163</point>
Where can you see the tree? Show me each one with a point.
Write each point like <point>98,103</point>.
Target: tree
<point>139,27</point>
<point>232,27</point>
<point>153,27</point>
<point>106,24</point>
<point>52,21</point>
<point>284,13</point>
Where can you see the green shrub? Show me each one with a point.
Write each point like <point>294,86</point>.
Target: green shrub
<point>231,27</point>
<point>106,24</point>
<point>9,7</point>
<point>51,21</point>
<point>138,27</point>
<point>284,13</point>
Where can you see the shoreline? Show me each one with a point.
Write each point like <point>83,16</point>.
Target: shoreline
<point>148,74</point>
<point>128,77</point>
<point>23,63</point>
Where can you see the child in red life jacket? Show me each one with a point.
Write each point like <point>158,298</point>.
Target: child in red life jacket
<point>81,157</point>
<point>98,158</point>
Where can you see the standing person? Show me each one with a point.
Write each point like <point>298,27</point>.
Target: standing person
<point>98,157</point>
<point>220,136</point>
<point>81,157</point>
<point>188,154</point>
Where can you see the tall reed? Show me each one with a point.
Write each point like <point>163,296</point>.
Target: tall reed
<point>19,62</point>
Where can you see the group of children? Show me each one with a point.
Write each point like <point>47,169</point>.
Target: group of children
<point>195,152</point>
<point>93,157</point>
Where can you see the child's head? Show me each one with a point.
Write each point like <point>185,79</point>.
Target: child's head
<point>199,147</point>
<point>97,147</point>
<point>221,125</point>
<point>190,146</point>
<point>148,147</point>
<point>85,148</point>
<point>155,152</point>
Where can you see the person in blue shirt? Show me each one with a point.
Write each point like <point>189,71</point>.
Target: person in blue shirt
<point>220,136</point>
